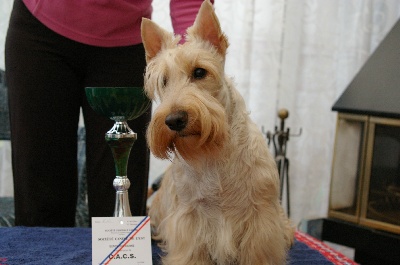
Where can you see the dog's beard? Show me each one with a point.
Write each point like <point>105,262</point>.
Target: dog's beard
<point>205,133</point>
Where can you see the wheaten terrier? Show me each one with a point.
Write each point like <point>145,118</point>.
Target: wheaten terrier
<point>219,200</point>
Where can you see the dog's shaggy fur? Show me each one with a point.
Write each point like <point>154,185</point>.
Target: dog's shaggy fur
<point>218,202</point>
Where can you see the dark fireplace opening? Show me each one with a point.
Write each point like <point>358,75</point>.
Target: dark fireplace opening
<point>384,188</point>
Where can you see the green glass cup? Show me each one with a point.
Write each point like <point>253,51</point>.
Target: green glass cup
<point>120,104</point>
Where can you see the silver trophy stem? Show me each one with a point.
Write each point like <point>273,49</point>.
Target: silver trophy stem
<point>121,139</point>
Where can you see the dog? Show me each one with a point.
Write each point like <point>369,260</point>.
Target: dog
<point>219,200</point>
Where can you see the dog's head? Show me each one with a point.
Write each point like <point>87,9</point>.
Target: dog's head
<point>189,81</point>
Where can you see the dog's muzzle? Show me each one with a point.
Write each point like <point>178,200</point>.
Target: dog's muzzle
<point>177,121</point>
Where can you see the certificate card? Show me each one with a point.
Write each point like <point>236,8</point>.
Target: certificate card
<point>121,240</point>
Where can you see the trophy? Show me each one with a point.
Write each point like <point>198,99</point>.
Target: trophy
<point>120,104</point>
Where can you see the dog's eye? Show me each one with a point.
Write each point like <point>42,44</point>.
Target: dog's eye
<point>165,81</point>
<point>199,73</point>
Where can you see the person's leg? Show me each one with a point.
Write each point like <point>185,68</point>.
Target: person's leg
<point>44,112</point>
<point>122,66</point>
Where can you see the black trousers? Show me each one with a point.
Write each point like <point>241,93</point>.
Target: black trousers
<point>46,74</point>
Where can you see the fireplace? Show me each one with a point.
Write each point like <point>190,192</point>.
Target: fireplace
<point>365,183</point>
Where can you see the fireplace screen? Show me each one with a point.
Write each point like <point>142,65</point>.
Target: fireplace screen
<point>384,173</point>
<point>365,184</point>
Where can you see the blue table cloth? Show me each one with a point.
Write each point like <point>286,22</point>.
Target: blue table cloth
<point>39,245</point>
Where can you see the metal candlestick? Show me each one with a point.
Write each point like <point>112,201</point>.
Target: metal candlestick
<point>279,139</point>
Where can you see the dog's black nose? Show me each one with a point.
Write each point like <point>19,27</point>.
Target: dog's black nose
<point>177,121</point>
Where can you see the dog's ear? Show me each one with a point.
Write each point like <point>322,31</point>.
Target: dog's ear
<point>155,38</point>
<point>207,27</point>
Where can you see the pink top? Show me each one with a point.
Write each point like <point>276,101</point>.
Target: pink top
<point>107,23</point>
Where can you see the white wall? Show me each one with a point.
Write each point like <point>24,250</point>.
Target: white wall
<point>6,187</point>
